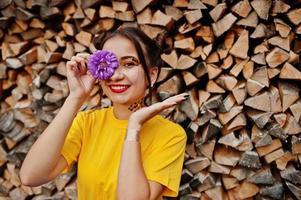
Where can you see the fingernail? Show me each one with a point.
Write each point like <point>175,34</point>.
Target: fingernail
<point>186,96</point>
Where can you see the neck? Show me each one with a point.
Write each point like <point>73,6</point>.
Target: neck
<point>124,112</point>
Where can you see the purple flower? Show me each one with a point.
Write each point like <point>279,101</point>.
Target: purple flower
<point>102,64</point>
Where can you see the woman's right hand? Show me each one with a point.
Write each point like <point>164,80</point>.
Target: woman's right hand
<point>80,80</point>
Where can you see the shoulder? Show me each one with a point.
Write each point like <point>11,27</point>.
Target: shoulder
<point>168,129</point>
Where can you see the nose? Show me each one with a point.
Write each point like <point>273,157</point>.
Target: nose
<point>118,74</point>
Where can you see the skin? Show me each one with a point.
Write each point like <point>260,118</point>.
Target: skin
<point>132,183</point>
<point>128,75</point>
<point>131,171</point>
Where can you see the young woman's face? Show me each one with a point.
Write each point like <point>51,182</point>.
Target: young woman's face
<point>128,83</point>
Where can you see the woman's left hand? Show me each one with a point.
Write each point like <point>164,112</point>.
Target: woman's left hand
<point>142,115</point>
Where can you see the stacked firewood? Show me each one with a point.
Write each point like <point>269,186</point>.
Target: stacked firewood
<point>238,60</point>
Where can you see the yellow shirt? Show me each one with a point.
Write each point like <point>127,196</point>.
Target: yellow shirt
<point>95,142</point>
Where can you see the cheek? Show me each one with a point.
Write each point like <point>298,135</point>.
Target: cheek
<point>137,76</point>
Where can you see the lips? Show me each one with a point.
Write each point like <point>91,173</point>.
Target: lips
<point>118,88</point>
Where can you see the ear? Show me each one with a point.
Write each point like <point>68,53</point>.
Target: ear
<point>153,72</point>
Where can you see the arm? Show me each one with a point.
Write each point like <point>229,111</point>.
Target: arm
<point>132,182</point>
<point>45,152</point>
<point>43,161</point>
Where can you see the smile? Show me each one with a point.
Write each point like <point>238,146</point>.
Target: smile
<point>118,88</point>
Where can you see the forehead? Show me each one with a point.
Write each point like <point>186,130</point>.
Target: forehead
<point>121,46</point>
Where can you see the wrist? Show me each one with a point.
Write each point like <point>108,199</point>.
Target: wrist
<point>74,101</point>
<point>133,124</point>
<point>132,135</point>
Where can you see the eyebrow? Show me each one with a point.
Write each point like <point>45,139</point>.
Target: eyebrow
<point>129,57</point>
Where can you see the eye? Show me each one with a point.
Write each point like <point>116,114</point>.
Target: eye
<point>129,64</point>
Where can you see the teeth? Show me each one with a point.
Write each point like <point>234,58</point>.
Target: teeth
<point>118,87</point>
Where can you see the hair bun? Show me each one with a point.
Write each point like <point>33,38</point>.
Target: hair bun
<point>160,40</point>
<point>97,40</point>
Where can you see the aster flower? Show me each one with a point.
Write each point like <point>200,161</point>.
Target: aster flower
<point>102,64</point>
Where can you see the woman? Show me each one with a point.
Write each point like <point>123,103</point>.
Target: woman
<point>126,151</point>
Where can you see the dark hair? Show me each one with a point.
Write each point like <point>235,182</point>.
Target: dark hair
<point>148,49</point>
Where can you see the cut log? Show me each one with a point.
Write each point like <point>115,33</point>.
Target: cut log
<point>294,189</point>
<point>205,117</point>
<point>145,17</point>
<point>230,140</point>
<point>238,67</point>
<point>245,190</point>
<point>218,11</point>
<point>215,193</point>
<point>242,8</point>
<point>207,148</point>
<point>161,19</point>
<point>291,127</point>
<point>212,128</point>
<point>262,176</point>
<point>205,33</point>
<point>296,110</point>
<point>213,87</point>
<point>282,28</point>
<point>84,38</point>
<point>185,62</point>
<point>289,94</point>
<point>275,99</point>
<point>224,48</point>
<point>197,164</point>
<point>291,174</point>
<point>140,5</point>
<point>227,116</point>
<point>127,16</point>
<point>276,57</point>
<point>205,181</point>
<point>294,16</point>
<point>253,87</point>
<point>193,16</point>
<point>227,103</point>
<point>279,7</point>
<point>189,78</point>
<point>262,8</point>
<point>283,161</point>
<point>239,92</point>
<point>173,12</point>
<point>259,118</point>
<point>250,159</point>
<point>186,44</point>
<point>275,192</point>
<point>241,46</point>
<point>275,130</point>
<point>259,102</point>
<point>274,155</point>
<point>288,71</point>
<point>226,156</point>
<point>261,31</point>
<point>213,71</point>
<point>229,182</point>
<point>223,24</point>
<point>219,169</point>
<point>171,59</point>
<point>251,20</point>
<point>264,150</point>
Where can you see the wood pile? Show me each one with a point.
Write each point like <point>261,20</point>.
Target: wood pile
<point>238,60</point>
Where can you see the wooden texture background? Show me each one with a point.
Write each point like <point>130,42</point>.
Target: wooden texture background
<point>238,60</point>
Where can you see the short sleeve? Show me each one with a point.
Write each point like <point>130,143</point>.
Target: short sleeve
<point>164,164</point>
<point>73,141</point>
